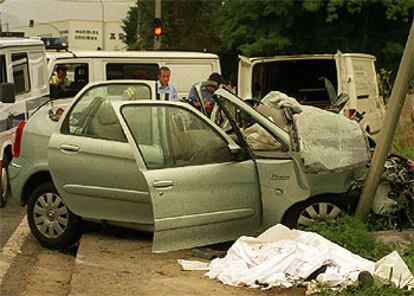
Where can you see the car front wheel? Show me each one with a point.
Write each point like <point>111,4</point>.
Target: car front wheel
<point>50,220</point>
<point>318,209</point>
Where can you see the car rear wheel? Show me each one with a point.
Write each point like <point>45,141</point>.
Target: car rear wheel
<point>50,220</point>
<point>4,182</point>
<point>318,209</point>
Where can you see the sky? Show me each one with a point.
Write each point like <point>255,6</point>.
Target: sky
<point>14,13</point>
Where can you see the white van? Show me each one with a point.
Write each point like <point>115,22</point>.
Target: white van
<point>301,77</point>
<point>24,86</point>
<point>186,68</point>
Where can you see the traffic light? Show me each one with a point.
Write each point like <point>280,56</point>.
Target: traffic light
<point>157,27</point>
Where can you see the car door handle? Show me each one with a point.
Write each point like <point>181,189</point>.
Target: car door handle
<point>69,148</point>
<point>163,183</point>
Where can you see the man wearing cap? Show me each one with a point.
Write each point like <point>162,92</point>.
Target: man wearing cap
<point>206,92</point>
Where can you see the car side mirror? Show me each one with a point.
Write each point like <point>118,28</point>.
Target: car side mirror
<point>7,93</point>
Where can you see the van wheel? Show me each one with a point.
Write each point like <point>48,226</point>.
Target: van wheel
<point>4,182</point>
<point>50,220</point>
<point>318,209</point>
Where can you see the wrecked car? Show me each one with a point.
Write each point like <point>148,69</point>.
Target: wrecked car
<point>165,167</point>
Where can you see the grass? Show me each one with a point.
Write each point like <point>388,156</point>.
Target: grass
<point>403,143</point>
<point>353,234</point>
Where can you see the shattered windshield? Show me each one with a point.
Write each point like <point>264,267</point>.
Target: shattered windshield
<point>327,141</point>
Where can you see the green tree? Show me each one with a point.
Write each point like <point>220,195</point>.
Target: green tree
<point>267,27</point>
<point>187,25</point>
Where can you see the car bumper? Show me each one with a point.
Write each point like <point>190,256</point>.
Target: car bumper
<point>18,177</point>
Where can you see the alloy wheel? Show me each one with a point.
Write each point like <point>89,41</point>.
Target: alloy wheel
<point>318,212</point>
<point>50,215</point>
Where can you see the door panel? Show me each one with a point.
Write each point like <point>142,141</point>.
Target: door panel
<point>99,179</point>
<point>199,194</point>
<point>206,204</point>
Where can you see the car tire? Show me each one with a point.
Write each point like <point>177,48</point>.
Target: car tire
<point>4,182</point>
<point>50,220</point>
<point>317,209</point>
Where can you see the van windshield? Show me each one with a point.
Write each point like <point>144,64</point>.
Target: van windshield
<point>300,79</point>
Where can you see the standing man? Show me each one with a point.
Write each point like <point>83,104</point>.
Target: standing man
<point>164,86</point>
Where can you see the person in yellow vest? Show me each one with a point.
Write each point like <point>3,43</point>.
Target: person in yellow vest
<point>61,79</point>
<point>131,92</point>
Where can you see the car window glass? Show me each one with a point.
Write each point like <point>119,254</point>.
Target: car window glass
<point>131,71</point>
<point>260,141</point>
<point>3,75</point>
<point>21,76</point>
<point>93,114</point>
<point>77,76</point>
<point>176,137</point>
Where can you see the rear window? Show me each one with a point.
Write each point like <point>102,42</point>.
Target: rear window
<point>300,79</point>
<point>131,71</point>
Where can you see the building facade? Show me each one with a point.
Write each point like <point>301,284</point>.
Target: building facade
<point>81,34</point>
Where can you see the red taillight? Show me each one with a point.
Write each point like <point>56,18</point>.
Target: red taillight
<point>411,164</point>
<point>18,139</point>
<point>350,112</point>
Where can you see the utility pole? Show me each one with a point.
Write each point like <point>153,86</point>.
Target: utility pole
<point>157,14</point>
<point>103,24</point>
<point>392,116</point>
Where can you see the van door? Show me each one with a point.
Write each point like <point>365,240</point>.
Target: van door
<point>366,93</point>
<point>244,82</point>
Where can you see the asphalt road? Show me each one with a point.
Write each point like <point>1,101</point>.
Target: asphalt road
<point>10,217</point>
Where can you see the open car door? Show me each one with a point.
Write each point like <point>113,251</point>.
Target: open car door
<point>200,193</point>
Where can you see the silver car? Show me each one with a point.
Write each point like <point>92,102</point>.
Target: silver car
<point>165,167</point>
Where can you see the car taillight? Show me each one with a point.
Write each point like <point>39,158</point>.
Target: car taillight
<point>18,139</point>
<point>350,112</point>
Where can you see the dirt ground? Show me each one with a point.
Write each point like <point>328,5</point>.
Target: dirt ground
<point>124,265</point>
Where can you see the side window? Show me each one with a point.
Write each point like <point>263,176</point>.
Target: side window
<point>93,114</point>
<point>3,74</point>
<point>260,141</point>
<point>176,137</point>
<point>131,71</point>
<point>70,77</point>
<point>21,77</point>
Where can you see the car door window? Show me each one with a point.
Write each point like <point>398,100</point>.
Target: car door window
<point>93,115</point>
<point>260,141</point>
<point>3,75</point>
<point>21,76</point>
<point>174,137</point>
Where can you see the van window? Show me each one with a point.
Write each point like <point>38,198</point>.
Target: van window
<point>3,75</point>
<point>77,76</point>
<point>185,75</point>
<point>21,77</point>
<point>300,79</point>
<point>131,71</point>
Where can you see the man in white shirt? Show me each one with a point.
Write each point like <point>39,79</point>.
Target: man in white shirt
<point>164,86</point>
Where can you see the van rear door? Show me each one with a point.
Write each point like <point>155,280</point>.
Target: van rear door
<point>364,87</point>
<point>301,77</point>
